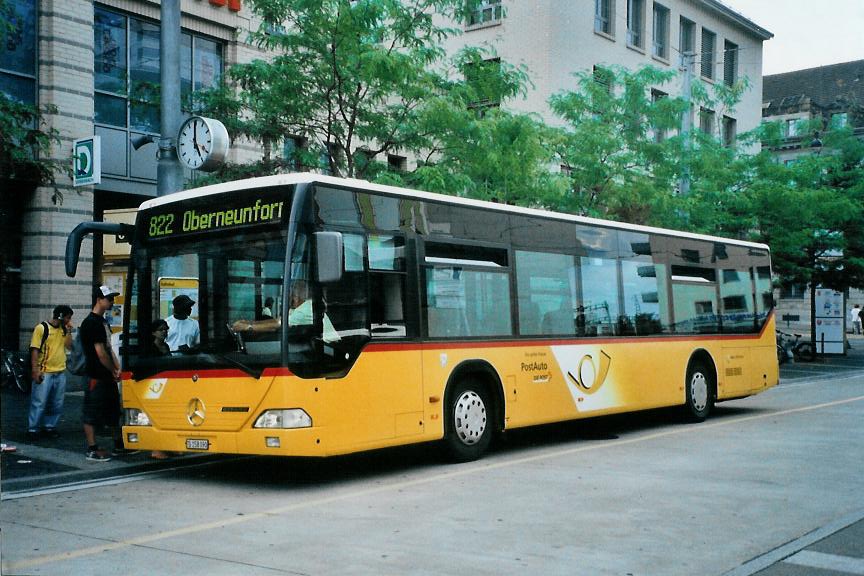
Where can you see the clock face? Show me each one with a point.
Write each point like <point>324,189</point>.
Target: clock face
<point>195,143</point>
<point>202,143</point>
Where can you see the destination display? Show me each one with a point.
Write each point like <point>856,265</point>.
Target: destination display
<point>222,213</point>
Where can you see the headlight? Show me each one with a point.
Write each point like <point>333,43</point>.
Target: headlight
<point>135,417</point>
<point>287,418</point>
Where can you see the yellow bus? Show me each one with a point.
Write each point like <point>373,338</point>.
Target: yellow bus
<point>337,316</point>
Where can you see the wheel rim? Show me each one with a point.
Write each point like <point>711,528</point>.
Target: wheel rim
<point>469,417</point>
<point>699,391</point>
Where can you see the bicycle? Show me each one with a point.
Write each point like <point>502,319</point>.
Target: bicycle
<point>15,371</point>
<point>790,347</point>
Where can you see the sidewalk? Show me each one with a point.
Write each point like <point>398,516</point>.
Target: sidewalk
<point>46,462</point>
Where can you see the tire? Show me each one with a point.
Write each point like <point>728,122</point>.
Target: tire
<point>806,352</point>
<point>468,425</point>
<point>699,388</point>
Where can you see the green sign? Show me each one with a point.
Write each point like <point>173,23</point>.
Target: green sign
<point>87,161</point>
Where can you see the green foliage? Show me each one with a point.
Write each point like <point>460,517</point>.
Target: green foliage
<point>25,146</point>
<point>344,73</point>
<point>617,167</point>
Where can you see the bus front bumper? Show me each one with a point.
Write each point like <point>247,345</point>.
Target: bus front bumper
<point>265,442</point>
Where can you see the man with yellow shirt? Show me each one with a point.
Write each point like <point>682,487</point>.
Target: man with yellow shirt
<point>48,361</point>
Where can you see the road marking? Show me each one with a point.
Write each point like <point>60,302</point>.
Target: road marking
<point>787,550</point>
<point>466,470</point>
<point>812,559</point>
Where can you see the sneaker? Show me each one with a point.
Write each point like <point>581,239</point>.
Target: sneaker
<point>98,455</point>
<point>120,452</point>
<point>51,433</point>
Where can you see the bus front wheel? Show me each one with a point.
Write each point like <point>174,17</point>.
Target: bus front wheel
<point>700,392</point>
<point>468,424</point>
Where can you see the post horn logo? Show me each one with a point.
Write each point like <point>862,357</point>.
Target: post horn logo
<point>195,412</point>
<point>588,377</point>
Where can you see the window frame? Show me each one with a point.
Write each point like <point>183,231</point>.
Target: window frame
<point>127,96</point>
<point>686,30</point>
<point>660,32</point>
<point>636,24</point>
<point>730,62</point>
<point>32,80</point>
<point>604,18</point>
<point>707,66</point>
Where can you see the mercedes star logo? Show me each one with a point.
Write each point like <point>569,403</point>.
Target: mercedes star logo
<point>195,412</point>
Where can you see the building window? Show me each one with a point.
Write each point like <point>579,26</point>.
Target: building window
<point>636,23</point>
<point>483,78</point>
<point>18,51</point>
<point>709,40</point>
<point>706,121</point>
<point>604,16</point>
<point>659,132</point>
<point>605,78</point>
<point>292,152</point>
<point>839,120</point>
<point>661,32</point>
<point>686,38</point>
<point>330,151</point>
<point>396,163</point>
<point>790,128</point>
<point>730,131</point>
<point>730,63</point>
<point>127,75</point>
<point>487,12</point>
<point>798,291</point>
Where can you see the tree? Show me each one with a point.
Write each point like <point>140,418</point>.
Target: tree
<point>810,212</point>
<point>25,147</point>
<point>614,147</point>
<point>475,148</point>
<point>351,78</point>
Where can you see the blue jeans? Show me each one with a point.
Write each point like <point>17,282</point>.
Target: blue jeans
<point>46,401</point>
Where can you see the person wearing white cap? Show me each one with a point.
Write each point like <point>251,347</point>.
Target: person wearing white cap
<point>101,395</point>
<point>183,332</point>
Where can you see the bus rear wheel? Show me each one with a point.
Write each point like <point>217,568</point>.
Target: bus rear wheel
<point>468,423</point>
<point>700,392</point>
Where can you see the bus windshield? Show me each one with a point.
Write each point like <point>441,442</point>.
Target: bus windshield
<point>220,280</point>
<point>232,281</point>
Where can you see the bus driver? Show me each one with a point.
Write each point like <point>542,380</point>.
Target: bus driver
<point>299,314</point>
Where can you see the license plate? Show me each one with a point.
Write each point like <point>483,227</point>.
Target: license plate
<point>197,444</point>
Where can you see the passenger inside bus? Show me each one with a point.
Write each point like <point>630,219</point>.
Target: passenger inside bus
<point>160,333</point>
<point>184,333</point>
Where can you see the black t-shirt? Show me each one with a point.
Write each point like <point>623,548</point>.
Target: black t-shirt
<point>94,329</point>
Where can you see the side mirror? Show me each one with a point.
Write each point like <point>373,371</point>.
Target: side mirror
<point>328,254</point>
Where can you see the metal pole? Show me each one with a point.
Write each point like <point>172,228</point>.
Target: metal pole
<point>169,172</point>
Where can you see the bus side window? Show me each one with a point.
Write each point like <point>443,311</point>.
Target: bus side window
<point>387,285</point>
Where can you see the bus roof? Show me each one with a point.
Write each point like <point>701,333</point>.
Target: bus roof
<point>308,177</point>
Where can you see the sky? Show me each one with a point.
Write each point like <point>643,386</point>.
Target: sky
<point>807,33</point>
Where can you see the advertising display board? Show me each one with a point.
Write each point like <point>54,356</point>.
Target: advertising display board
<point>830,320</point>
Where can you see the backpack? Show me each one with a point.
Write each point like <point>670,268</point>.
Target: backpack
<point>76,362</point>
<point>44,337</point>
<point>42,343</point>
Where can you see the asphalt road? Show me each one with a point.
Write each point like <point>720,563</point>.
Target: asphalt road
<point>769,485</point>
